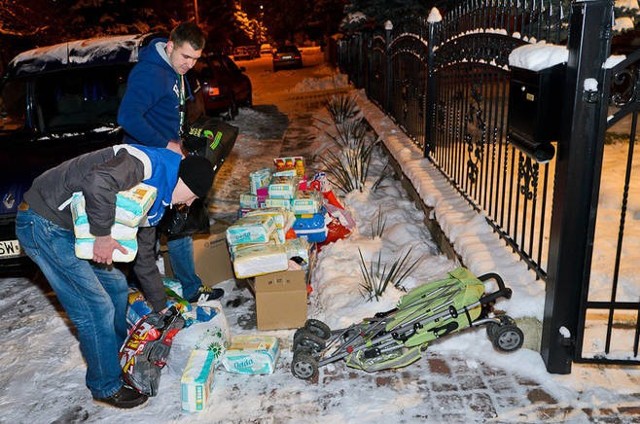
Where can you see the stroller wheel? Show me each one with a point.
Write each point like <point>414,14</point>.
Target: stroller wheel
<point>493,326</point>
<point>304,366</point>
<point>508,338</point>
<point>318,328</point>
<point>306,339</point>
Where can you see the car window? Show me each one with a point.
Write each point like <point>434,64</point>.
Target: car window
<point>288,49</point>
<point>13,104</point>
<point>85,97</point>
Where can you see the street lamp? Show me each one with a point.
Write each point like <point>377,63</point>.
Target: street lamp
<point>195,11</point>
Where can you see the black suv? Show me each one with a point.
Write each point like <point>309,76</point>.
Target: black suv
<point>57,102</point>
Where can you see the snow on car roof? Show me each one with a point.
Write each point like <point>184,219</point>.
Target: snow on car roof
<point>88,52</point>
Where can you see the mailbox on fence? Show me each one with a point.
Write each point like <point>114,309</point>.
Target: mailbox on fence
<point>535,110</point>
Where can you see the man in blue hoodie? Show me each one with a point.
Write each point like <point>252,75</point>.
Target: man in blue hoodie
<point>153,113</point>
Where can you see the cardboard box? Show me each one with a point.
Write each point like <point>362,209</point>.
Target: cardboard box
<point>281,299</point>
<point>211,255</point>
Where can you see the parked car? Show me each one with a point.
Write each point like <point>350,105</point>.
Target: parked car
<point>266,49</point>
<point>287,56</point>
<point>246,53</point>
<point>57,102</point>
<point>225,86</point>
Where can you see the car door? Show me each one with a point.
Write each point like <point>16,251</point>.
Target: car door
<point>240,83</point>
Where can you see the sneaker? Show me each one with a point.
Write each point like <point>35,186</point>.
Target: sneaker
<point>206,293</point>
<point>125,398</point>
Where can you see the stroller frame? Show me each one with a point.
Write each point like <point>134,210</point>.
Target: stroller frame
<point>397,338</point>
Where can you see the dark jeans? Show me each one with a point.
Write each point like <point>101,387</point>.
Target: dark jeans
<point>94,297</point>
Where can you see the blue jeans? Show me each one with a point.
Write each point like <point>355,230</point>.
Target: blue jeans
<point>183,265</point>
<point>95,298</point>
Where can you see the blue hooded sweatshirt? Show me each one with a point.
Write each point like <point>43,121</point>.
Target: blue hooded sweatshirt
<point>149,111</point>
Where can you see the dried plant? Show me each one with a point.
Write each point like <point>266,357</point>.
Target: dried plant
<point>342,108</point>
<point>377,276</point>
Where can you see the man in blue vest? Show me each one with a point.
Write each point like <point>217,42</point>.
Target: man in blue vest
<point>94,293</point>
<point>153,113</point>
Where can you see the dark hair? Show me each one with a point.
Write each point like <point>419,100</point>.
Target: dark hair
<point>188,32</point>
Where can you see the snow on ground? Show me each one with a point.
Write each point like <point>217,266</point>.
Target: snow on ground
<point>43,372</point>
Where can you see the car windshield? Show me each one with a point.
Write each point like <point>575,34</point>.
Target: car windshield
<point>81,98</point>
<point>12,105</point>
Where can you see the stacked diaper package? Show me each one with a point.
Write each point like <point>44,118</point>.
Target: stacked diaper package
<point>131,209</point>
<point>280,219</point>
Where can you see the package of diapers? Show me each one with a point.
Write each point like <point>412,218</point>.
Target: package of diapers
<point>307,202</point>
<point>84,249</point>
<point>282,218</point>
<point>260,259</point>
<point>132,205</point>
<point>197,380</point>
<point>283,187</point>
<point>251,229</point>
<point>252,354</point>
<point>81,222</point>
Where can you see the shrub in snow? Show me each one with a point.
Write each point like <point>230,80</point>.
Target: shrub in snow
<point>342,108</point>
<point>377,276</point>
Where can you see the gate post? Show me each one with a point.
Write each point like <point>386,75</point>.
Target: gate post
<point>434,26</point>
<point>589,44</point>
<point>388,26</point>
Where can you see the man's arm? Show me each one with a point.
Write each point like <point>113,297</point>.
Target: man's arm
<point>146,270</point>
<point>141,95</point>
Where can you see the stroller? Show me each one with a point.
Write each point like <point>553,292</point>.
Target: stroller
<point>397,338</point>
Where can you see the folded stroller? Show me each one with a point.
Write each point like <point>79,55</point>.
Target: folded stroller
<point>397,338</point>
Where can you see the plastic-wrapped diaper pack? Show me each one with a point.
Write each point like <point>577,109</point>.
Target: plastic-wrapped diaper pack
<point>250,354</point>
<point>251,229</point>
<point>84,249</point>
<point>131,208</point>
<point>259,259</point>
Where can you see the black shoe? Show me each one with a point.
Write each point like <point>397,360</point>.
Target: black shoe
<point>207,293</point>
<point>125,398</point>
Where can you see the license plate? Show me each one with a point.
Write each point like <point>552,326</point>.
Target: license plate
<point>287,57</point>
<point>9,248</point>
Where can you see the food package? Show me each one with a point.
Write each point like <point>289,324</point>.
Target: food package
<point>290,163</point>
<point>251,229</point>
<point>260,259</point>
<point>252,354</point>
<point>197,380</point>
<point>282,187</point>
<point>307,202</point>
<point>84,249</point>
<point>259,179</point>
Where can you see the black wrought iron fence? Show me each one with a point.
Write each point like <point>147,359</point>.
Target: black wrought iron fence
<point>456,110</point>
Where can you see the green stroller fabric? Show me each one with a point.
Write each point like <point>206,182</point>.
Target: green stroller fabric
<point>424,314</point>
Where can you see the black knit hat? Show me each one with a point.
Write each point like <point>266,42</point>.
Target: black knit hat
<point>197,174</point>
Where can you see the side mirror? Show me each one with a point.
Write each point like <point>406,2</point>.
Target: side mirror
<point>243,69</point>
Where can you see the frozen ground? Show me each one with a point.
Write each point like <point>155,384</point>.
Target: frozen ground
<point>460,379</point>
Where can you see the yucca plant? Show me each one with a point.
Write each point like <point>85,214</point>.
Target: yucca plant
<point>381,177</point>
<point>349,133</point>
<point>377,276</point>
<point>342,107</point>
<point>377,226</point>
<point>349,168</point>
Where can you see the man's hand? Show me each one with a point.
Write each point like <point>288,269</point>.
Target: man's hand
<point>176,146</point>
<point>103,249</point>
